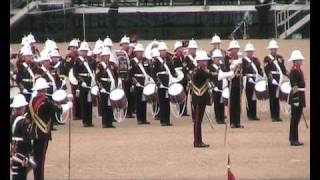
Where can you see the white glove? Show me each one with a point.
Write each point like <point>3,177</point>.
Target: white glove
<point>25,91</point>
<point>232,67</point>
<point>296,104</point>
<point>63,83</point>
<point>215,89</point>
<point>70,97</point>
<point>103,90</point>
<point>84,85</point>
<point>11,73</point>
<point>138,85</point>
<point>251,80</point>
<point>274,82</point>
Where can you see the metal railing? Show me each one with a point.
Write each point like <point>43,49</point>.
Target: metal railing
<point>283,17</point>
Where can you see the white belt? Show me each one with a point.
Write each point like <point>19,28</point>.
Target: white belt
<point>17,138</point>
<point>162,86</point>
<point>138,75</point>
<point>301,89</point>
<point>105,79</point>
<point>275,72</point>
<point>162,72</point>
<point>27,80</point>
<point>178,68</point>
<point>251,75</point>
<point>84,74</point>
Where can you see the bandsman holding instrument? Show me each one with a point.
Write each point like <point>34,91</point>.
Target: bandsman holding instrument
<point>68,71</point>
<point>220,84</point>
<point>275,71</point>
<point>21,146</point>
<point>182,66</point>
<point>234,62</point>
<point>26,72</point>
<point>140,75</point>
<point>128,86</point>
<point>107,80</point>
<point>163,72</point>
<point>297,96</point>
<point>83,72</point>
<point>252,72</point>
<point>200,95</point>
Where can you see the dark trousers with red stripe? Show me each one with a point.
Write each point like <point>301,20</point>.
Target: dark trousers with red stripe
<point>106,110</point>
<point>164,106</point>
<point>86,107</point>
<point>130,97</point>
<point>235,106</point>
<point>76,103</point>
<point>218,106</point>
<point>251,104</point>
<point>20,172</point>
<point>198,112</point>
<point>296,112</point>
<point>39,149</point>
<point>274,101</point>
<point>141,106</point>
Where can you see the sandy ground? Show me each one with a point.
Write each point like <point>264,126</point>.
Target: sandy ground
<point>259,151</point>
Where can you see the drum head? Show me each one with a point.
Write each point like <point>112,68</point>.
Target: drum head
<point>13,92</point>
<point>285,87</point>
<point>149,89</point>
<point>175,89</point>
<point>95,90</point>
<point>59,95</point>
<point>225,93</point>
<point>261,86</point>
<point>116,94</point>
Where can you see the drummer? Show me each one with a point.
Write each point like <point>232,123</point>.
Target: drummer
<point>252,73</point>
<point>297,96</point>
<point>275,71</point>
<point>180,65</point>
<point>161,73</point>
<point>107,81</point>
<point>26,72</point>
<point>140,75</point>
<point>83,72</point>
<point>216,42</point>
<point>219,85</point>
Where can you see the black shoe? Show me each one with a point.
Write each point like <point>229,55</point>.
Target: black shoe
<point>130,116</point>
<point>253,118</point>
<point>221,122</point>
<point>166,124</point>
<point>202,145</point>
<point>157,118</point>
<point>233,126</point>
<point>54,129</point>
<point>239,126</point>
<point>88,125</point>
<point>185,114</point>
<point>143,122</point>
<point>276,120</point>
<point>111,126</point>
<point>296,143</point>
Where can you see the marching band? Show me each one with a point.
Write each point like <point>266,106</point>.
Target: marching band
<point>124,81</point>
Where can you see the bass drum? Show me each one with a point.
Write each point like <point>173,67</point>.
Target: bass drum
<point>261,90</point>
<point>176,93</point>
<point>150,93</point>
<point>285,90</point>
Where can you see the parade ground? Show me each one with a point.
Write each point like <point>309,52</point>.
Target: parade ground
<point>260,150</point>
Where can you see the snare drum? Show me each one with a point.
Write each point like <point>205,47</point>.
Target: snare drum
<point>176,93</point>
<point>118,99</point>
<point>150,92</point>
<point>261,90</point>
<point>284,92</point>
<point>225,95</point>
<point>60,97</point>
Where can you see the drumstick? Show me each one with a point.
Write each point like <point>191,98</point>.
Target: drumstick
<point>210,121</point>
<point>305,119</point>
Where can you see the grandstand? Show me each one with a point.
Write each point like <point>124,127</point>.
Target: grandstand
<point>161,19</point>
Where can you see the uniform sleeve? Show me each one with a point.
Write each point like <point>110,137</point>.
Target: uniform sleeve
<point>267,69</point>
<point>282,66</point>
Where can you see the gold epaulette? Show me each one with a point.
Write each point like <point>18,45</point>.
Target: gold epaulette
<point>199,91</point>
